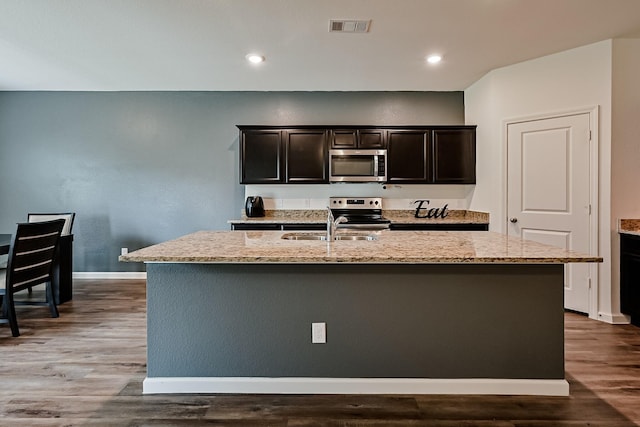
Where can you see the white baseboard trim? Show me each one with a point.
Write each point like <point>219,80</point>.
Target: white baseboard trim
<point>614,319</point>
<point>110,275</point>
<point>261,385</point>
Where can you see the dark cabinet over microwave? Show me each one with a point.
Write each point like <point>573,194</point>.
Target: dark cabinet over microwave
<point>358,138</point>
<point>415,154</point>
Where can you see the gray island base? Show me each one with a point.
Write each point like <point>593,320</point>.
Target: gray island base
<point>468,328</point>
<point>408,313</point>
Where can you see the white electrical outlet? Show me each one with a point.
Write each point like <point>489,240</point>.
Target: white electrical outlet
<point>124,251</point>
<point>318,333</point>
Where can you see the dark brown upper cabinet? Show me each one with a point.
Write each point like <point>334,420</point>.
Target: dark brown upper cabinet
<point>415,154</point>
<point>435,155</point>
<point>408,156</point>
<point>283,155</point>
<point>454,156</point>
<point>261,156</point>
<point>307,156</point>
<point>358,138</point>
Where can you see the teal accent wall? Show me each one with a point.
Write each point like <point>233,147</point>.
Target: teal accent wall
<point>139,168</point>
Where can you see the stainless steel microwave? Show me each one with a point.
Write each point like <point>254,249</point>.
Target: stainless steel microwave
<point>352,165</point>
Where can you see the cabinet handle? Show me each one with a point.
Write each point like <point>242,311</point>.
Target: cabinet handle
<point>513,220</point>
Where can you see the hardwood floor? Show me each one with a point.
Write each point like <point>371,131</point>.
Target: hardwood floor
<point>86,369</point>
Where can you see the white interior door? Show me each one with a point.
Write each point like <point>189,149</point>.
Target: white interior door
<point>548,191</point>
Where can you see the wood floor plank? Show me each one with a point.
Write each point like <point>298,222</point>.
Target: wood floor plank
<point>86,368</point>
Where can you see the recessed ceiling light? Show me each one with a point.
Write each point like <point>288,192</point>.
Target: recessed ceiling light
<point>254,58</point>
<point>434,59</point>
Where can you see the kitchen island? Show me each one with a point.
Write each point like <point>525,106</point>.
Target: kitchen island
<point>410,312</point>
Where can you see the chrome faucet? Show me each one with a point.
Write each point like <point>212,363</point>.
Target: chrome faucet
<point>332,224</point>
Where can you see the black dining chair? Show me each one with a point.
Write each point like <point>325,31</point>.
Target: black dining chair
<point>67,216</point>
<point>30,263</point>
<point>63,263</point>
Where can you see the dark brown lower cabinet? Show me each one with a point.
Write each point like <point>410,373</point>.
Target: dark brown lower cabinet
<point>439,227</point>
<point>249,227</point>
<point>396,226</point>
<point>279,226</point>
<point>630,276</point>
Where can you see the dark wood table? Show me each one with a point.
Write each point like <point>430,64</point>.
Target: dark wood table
<point>5,241</point>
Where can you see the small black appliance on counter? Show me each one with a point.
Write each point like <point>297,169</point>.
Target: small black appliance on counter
<point>254,206</point>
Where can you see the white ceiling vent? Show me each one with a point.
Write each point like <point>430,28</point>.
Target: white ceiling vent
<point>349,26</point>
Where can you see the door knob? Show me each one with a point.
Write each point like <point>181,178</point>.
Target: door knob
<point>513,220</point>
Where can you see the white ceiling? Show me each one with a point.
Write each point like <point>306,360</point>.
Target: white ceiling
<point>201,44</point>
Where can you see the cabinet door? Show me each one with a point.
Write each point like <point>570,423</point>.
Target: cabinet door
<point>371,138</point>
<point>408,156</point>
<point>357,138</point>
<point>439,227</point>
<point>253,226</point>
<point>304,227</point>
<point>261,157</point>
<point>344,138</point>
<point>454,156</point>
<point>630,277</point>
<point>306,151</point>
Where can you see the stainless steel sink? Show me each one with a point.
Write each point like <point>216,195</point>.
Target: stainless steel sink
<point>304,236</point>
<point>356,237</point>
<point>345,236</point>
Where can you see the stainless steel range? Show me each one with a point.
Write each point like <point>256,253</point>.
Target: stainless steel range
<point>360,212</point>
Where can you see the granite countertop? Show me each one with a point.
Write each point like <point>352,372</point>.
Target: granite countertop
<point>394,247</point>
<point>396,216</point>
<point>629,226</point>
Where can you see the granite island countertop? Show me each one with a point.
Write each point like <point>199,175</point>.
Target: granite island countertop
<point>391,247</point>
<point>629,226</point>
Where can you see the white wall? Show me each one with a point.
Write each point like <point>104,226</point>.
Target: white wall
<point>575,79</point>
<point>625,146</point>
<point>625,155</point>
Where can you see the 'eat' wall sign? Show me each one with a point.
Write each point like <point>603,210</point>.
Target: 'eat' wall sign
<point>423,211</point>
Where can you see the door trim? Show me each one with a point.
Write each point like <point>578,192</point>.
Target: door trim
<point>594,181</point>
